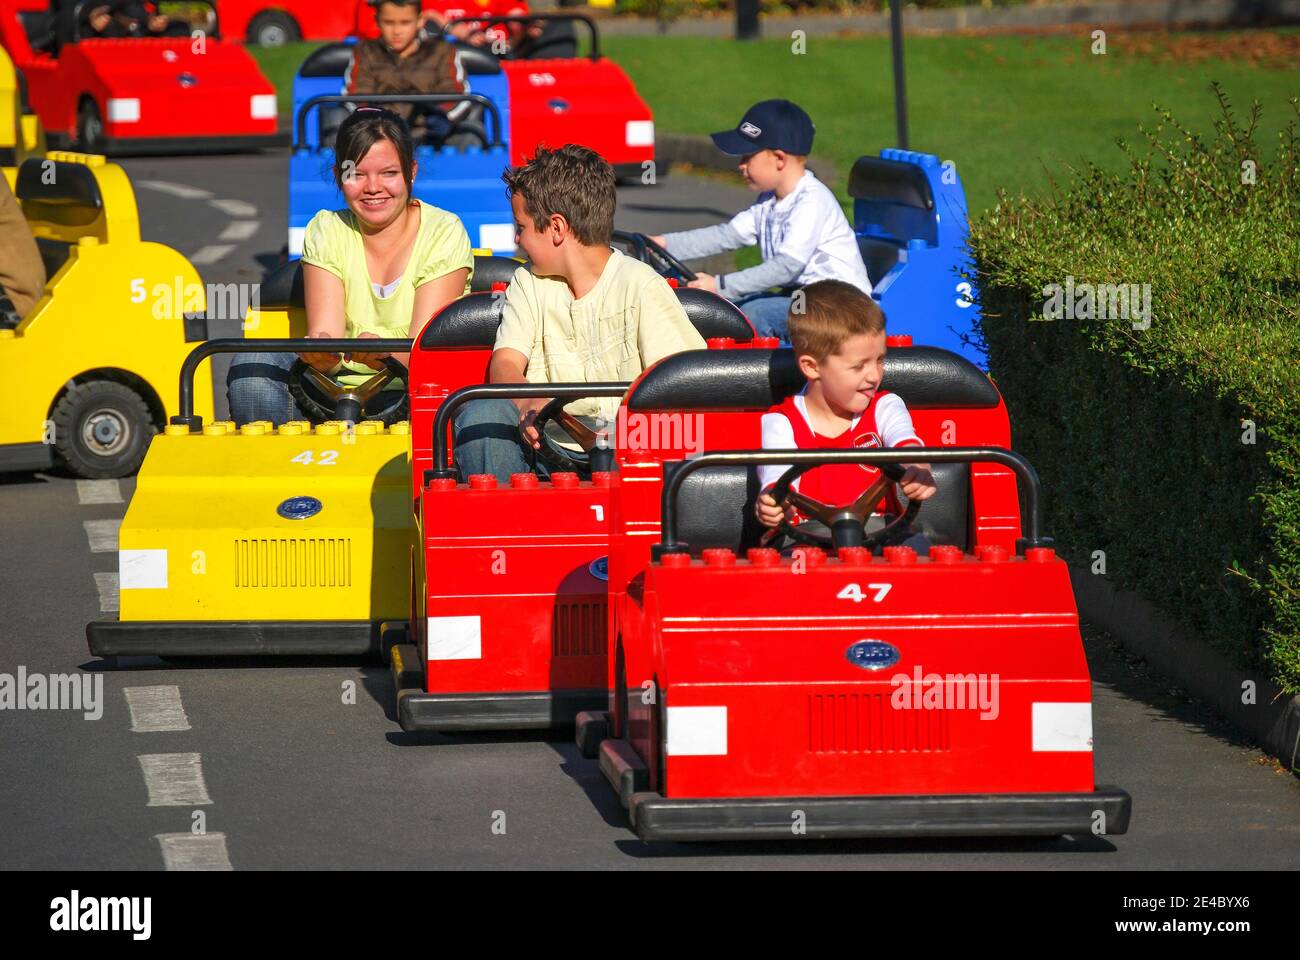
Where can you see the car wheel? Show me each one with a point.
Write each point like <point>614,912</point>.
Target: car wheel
<point>273,29</point>
<point>102,429</point>
<point>90,128</point>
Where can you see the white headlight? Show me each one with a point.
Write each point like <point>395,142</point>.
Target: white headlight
<point>123,109</point>
<point>640,133</point>
<point>262,106</point>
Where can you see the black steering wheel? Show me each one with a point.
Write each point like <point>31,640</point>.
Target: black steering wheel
<point>597,448</point>
<point>349,402</point>
<point>665,264</point>
<point>847,524</point>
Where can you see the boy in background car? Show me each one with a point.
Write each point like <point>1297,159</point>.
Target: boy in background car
<point>399,61</point>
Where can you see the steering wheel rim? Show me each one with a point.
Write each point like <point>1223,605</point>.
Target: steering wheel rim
<point>654,251</point>
<point>859,511</point>
<point>557,457</point>
<point>349,399</point>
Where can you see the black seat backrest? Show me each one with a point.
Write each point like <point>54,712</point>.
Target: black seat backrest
<point>330,60</point>
<point>470,322</point>
<point>63,184</point>
<point>891,181</point>
<point>879,256</point>
<point>54,254</point>
<point>716,505</point>
<point>493,269</point>
<point>476,61</point>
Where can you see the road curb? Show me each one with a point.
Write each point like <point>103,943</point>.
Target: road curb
<point>1273,720</point>
<point>699,151</point>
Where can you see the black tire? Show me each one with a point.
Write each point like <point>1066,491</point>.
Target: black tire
<point>271,28</point>
<point>102,429</point>
<point>90,127</point>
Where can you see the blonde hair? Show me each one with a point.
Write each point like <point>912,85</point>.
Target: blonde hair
<point>833,311</point>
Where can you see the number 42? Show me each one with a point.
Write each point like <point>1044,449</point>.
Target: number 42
<point>854,592</point>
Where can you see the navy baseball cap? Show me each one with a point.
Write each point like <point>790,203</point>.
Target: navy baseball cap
<point>769,125</point>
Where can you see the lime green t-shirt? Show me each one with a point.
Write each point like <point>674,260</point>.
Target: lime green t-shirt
<point>333,242</point>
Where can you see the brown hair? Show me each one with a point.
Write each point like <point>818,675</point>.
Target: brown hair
<point>365,127</point>
<point>575,182</point>
<point>832,312</point>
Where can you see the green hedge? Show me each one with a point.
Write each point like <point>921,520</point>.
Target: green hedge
<point>672,9</point>
<point>1138,433</point>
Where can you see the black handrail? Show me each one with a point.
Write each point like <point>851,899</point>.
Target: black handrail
<point>591,24</point>
<point>300,123</point>
<point>816,458</point>
<point>288,345</point>
<point>509,391</point>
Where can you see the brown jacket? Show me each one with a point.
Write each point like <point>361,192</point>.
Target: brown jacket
<point>431,69</point>
<point>22,273</point>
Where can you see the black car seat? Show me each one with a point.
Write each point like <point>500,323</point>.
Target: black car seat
<point>715,506</point>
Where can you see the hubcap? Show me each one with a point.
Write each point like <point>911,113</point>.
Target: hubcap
<point>105,432</point>
<point>272,36</point>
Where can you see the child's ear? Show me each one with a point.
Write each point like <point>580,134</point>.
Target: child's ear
<point>809,367</point>
<point>558,228</point>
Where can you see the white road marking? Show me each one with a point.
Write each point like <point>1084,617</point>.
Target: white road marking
<point>239,230</point>
<point>98,491</point>
<point>186,851</point>
<point>211,254</point>
<point>106,584</point>
<point>156,709</point>
<point>174,779</point>
<point>175,189</point>
<point>102,534</point>
<point>234,208</point>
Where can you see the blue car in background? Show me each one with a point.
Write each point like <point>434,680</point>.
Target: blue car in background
<point>909,214</point>
<point>463,177</point>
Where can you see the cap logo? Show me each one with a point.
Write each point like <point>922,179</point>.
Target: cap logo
<point>749,130</point>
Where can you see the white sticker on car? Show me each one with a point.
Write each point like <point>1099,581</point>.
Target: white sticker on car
<point>1062,727</point>
<point>455,638</point>
<point>142,569</point>
<point>697,731</point>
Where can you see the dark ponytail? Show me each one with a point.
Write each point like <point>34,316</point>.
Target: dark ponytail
<point>365,127</point>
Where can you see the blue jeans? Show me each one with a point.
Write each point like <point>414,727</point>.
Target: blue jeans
<point>768,313</point>
<point>257,387</point>
<point>487,440</point>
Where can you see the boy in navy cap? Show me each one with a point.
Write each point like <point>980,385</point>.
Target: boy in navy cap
<point>796,221</point>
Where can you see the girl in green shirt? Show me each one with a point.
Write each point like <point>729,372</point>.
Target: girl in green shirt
<point>378,269</point>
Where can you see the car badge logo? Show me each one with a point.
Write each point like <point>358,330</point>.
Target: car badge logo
<point>749,130</point>
<point>872,654</point>
<point>170,56</point>
<point>187,80</point>
<point>299,508</point>
<point>558,105</point>
<point>599,568</point>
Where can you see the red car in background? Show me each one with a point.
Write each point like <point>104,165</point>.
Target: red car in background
<point>273,23</point>
<point>186,90</point>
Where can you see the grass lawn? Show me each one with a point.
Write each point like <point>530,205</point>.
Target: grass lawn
<point>1007,109</point>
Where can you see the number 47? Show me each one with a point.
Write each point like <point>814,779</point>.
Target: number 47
<point>854,592</point>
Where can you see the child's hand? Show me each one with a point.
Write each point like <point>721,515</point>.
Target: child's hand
<point>657,238</point>
<point>528,410</point>
<point>704,281</point>
<point>917,482</point>
<point>768,511</point>
<point>375,361</point>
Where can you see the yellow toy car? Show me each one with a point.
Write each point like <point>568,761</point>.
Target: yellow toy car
<point>98,357</point>
<point>21,133</point>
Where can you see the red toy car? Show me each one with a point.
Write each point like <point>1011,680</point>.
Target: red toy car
<point>185,88</point>
<point>509,611</point>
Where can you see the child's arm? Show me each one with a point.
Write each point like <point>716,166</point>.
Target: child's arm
<point>896,430</point>
<point>777,435</point>
<point>740,231</point>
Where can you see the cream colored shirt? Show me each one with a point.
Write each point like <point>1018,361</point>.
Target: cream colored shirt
<point>629,320</point>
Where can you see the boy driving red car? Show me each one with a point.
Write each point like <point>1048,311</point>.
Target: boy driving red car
<point>839,339</point>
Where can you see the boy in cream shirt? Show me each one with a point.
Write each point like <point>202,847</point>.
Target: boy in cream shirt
<point>580,312</point>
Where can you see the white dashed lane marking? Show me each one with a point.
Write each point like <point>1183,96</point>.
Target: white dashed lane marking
<point>234,208</point>
<point>185,851</point>
<point>238,230</point>
<point>174,779</point>
<point>156,709</point>
<point>211,254</point>
<point>181,190</point>
<point>106,584</point>
<point>98,491</point>
<point>102,534</point>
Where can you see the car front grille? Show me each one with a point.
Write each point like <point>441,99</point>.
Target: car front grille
<point>868,723</point>
<point>293,562</point>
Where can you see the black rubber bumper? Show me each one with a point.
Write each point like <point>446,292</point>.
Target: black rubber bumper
<point>128,146</point>
<point>657,818</point>
<point>417,709</point>
<point>113,637</point>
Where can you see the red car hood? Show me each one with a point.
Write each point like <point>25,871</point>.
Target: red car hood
<point>157,65</point>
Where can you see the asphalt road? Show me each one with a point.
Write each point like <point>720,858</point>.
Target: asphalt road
<point>293,775</point>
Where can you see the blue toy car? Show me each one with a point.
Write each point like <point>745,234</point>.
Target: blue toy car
<point>909,213</point>
<point>463,176</point>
